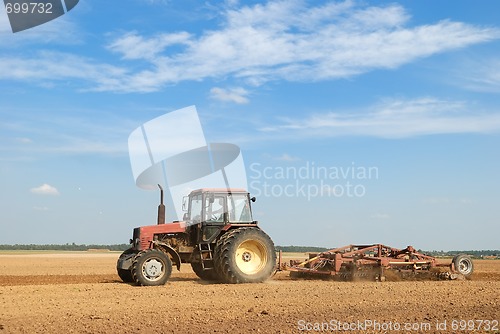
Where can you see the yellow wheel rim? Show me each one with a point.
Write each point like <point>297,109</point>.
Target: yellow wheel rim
<point>251,257</point>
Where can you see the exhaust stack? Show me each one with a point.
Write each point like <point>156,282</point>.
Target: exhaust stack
<point>161,208</point>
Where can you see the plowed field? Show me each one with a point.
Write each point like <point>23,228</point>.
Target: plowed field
<point>81,293</point>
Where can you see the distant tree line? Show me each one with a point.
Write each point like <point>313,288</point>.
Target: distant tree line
<point>290,249</point>
<point>474,253</point>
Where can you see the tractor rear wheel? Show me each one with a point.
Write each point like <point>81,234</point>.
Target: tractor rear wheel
<point>463,265</point>
<point>206,275</point>
<point>151,267</point>
<point>245,255</point>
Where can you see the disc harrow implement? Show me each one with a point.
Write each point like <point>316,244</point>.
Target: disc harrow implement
<point>376,261</point>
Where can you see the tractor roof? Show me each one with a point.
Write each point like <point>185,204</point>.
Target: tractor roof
<point>220,190</point>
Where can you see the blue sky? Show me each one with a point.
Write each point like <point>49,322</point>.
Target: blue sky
<point>409,89</point>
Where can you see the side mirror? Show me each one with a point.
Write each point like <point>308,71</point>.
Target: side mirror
<point>185,203</point>
<point>253,199</point>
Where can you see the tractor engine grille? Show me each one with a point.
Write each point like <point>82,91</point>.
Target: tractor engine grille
<point>174,240</point>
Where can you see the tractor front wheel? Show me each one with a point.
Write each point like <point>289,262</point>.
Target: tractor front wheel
<point>245,255</point>
<point>151,267</point>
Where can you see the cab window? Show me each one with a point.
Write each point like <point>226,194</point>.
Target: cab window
<point>239,209</point>
<point>195,212</point>
<point>215,209</point>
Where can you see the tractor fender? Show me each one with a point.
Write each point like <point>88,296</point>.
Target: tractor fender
<point>125,261</point>
<point>176,258</point>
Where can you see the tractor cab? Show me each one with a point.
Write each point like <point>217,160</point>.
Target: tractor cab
<point>209,211</point>
<point>218,206</point>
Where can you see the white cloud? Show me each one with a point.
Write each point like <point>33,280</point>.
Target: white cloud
<point>236,95</point>
<point>53,66</point>
<point>133,46</point>
<point>24,140</point>
<point>480,76</point>
<point>466,201</point>
<point>279,40</point>
<point>232,2</point>
<point>288,40</point>
<point>394,119</point>
<point>45,189</point>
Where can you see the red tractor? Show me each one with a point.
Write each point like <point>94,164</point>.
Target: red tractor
<point>218,236</point>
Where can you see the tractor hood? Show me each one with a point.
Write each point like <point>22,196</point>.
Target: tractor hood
<point>144,235</point>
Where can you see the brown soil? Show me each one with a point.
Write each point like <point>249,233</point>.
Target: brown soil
<point>80,293</point>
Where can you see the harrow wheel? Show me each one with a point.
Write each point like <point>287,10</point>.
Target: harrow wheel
<point>245,255</point>
<point>151,267</point>
<point>463,265</point>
